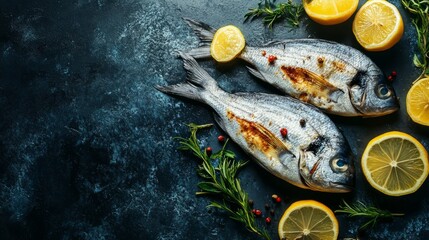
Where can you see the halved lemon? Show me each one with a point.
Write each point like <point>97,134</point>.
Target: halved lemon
<point>330,12</point>
<point>378,25</point>
<point>308,219</point>
<point>417,102</point>
<point>227,43</point>
<point>395,163</point>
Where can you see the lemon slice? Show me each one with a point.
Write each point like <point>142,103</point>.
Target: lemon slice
<point>395,163</point>
<point>330,12</point>
<point>378,25</point>
<point>418,102</point>
<point>308,219</point>
<point>227,43</point>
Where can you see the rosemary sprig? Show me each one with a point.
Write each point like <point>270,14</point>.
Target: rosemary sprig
<point>219,171</point>
<point>419,10</point>
<point>272,13</point>
<point>360,209</point>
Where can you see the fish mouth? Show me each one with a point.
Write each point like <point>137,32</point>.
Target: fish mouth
<point>382,113</point>
<point>340,187</point>
<point>333,187</point>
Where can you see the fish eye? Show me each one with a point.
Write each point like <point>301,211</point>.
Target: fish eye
<point>383,91</point>
<point>339,165</point>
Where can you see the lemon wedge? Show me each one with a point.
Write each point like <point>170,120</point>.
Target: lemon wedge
<point>227,43</point>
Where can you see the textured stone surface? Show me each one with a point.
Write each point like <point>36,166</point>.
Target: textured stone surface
<point>86,142</point>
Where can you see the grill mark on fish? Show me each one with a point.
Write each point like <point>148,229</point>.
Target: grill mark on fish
<point>308,81</point>
<point>339,66</point>
<point>258,137</point>
<point>304,97</point>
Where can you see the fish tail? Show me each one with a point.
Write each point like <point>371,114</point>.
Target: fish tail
<point>199,82</point>
<point>205,33</point>
<point>186,90</point>
<point>196,74</point>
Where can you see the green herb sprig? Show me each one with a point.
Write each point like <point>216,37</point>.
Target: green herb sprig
<point>419,10</point>
<point>360,209</point>
<point>219,171</point>
<point>272,13</point>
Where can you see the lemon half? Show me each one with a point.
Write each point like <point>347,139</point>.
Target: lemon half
<point>330,12</point>
<point>395,163</point>
<point>378,25</point>
<point>308,219</point>
<point>417,102</point>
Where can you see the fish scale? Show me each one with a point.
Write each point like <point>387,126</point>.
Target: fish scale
<point>307,157</point>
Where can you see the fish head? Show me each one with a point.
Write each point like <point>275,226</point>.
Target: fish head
<point>328,169</point>
<point>371,94</point>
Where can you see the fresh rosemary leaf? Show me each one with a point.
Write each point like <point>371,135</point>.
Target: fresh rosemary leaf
<point>271,12</point>
<point>208,187</point>
<point>419,10</point>
<point>360,209</point>
<point>219,172</point>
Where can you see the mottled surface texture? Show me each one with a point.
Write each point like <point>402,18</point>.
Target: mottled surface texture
<point>86,142</point>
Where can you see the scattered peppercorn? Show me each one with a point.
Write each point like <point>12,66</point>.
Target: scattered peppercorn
<point>209,151</point>
<point>251,203</point>
<point>267,206</point>
<point>283,132</point>
<point>392,76</point>
<point>258,212</point>
<point>268,220</point>
<point>272,212</point>
<point>221,138</point>
<point>302,122</point>
<point>271,59</point>
<point>264,53</point>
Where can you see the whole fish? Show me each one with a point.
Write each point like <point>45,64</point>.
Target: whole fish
<point>313,155</point>
<point>333,77</point>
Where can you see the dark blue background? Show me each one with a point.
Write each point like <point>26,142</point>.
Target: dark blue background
<point>86,142</point>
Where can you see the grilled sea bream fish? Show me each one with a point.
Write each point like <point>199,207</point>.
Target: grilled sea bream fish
<point>336,78</point>
<point>314,154</point>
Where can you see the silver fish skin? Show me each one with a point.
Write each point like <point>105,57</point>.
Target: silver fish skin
<point>336,78</point>
<point>314,154</point>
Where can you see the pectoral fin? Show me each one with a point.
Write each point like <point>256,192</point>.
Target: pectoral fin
<point>311,82</point>
<point>260,138</point>
<point>269,137</point>
<point>219,121</point>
